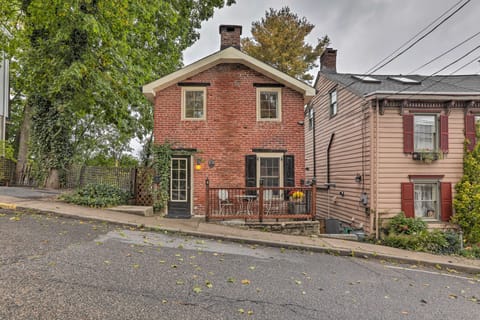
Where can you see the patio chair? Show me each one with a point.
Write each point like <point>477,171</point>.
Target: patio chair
<point>224,202</point>
<point>271,203</point>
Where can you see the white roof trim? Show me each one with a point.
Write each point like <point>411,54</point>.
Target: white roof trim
<point>228,55</point>
<point>438,93</point>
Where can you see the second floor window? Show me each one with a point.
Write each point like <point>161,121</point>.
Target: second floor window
<point>333,103</point>
<point>193,103</point>
<point>269,104</point>
<point>425,133</point>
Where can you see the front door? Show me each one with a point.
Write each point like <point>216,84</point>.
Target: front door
<point>179,205</point>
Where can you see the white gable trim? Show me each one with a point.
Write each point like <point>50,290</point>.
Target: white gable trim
<point>228,55</point>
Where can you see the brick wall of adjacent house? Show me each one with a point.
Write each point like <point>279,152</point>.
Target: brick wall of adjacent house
<point>231,129</point>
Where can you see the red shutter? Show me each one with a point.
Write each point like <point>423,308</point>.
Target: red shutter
<point>444,133</point>
<point>408,133</point>
<point>470,131</point>
<point>446,200</point>
<point>408,206</point>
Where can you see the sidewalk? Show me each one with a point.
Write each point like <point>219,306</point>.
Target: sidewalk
<point>198,227</point>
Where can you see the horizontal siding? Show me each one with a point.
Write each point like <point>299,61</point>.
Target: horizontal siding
<point>352,137</point>
<point>394,166</point>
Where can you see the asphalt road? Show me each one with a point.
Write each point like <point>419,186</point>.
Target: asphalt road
<point>58,268</point>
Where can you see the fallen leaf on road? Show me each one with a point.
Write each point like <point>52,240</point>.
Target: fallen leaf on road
<point>231,280</point>
<point>208,284</point>
<point>245,281</point>
<point>197,289</point>
<point>241,311</point>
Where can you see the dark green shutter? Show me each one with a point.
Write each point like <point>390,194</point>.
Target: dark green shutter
<point>288,171</point>
<point>251,172</point>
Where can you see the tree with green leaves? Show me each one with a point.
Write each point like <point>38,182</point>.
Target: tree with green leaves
<point>467,197</point>
<point>82,63</point>
<point>278,39</point>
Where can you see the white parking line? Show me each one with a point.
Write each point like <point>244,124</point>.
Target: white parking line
<point>433,272</point>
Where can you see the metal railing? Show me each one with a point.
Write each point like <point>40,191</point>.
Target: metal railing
<point>261,203</point>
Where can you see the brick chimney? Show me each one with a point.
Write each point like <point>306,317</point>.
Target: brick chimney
<point>328,60</point>
<point>230,36</point>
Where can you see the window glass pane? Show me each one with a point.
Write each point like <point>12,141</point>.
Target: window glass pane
<point>194,104</point>
<point>425,133</point>
<point>333,103</point>
<point>477,126</point>
<point>426,200</point>
<point>270,171</point>
<point>268,105</point>
<point>178,181</point>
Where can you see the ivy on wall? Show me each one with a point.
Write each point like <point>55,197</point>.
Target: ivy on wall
<point>162,156</point>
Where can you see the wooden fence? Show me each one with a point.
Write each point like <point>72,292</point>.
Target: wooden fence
<point>261,203</point>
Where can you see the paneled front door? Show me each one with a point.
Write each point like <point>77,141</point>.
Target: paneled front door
<point>179,205</point>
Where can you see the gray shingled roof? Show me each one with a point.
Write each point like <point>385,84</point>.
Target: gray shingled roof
<point>440,84</point>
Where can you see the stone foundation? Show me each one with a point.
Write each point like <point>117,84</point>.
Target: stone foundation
<point>304,228</point>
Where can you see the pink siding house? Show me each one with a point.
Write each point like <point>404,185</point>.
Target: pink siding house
<point>381,144</point>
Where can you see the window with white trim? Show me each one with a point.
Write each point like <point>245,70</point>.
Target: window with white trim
<point>270,170</point>
<point>477,127</point>
<point>194,103</point>
<point>333,103</point>
<point>425,133</point>
<point>269,104</point>
<point>426,199</point>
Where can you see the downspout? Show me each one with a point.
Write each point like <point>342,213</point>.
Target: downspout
<point>329,184</point>
<point>314,145</point>
<point>376,167</point>
<point>328,159</point>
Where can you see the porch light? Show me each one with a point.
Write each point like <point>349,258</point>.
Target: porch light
<point>198,166</point>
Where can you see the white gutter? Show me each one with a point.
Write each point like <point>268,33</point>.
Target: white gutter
<point>426,93</point>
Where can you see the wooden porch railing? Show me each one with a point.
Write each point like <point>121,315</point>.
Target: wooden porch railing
<point>260,203</point>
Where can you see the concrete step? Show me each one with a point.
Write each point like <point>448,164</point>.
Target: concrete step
<point>138,210</point>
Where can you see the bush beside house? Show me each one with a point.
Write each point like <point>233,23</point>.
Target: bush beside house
<point>97,196</point>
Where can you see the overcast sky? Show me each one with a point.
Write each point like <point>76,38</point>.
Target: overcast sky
<point>364,31</point>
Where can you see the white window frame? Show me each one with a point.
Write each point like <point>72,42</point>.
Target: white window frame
<point>184,98</point>
<point>280,163</point>
<point>436,197</point>
<point>436,137</point>
<point>477,120</point>
<point>279,103</point>
<point>333,105</point>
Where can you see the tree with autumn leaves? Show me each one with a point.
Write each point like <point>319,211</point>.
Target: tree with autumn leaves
<point>278,39</point>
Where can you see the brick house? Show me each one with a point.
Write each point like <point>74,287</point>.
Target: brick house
<point>232,119</point>
<point>381,144</point>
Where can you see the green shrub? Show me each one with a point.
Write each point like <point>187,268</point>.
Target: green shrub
<point>403,225</point>
<point>98,196</point>
<point>471,252</point>
<point>434,241</point>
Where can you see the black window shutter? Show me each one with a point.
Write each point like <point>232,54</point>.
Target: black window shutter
<point>288,171</point>
<point>251,172</point>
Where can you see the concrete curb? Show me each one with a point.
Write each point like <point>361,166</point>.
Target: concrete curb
<point>287,245</point>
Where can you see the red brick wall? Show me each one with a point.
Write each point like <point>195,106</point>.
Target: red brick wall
<point>230,130</point>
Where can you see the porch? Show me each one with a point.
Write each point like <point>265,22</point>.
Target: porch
<point>260,203</point>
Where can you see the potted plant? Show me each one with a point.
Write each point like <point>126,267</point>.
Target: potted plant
<point>296,205</point>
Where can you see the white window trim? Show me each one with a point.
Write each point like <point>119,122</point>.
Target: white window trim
<point>333,114</point>
<point>438,208</point>
<point>279,107</point>
<point>270,155</point>
<point>436,146</point>
<point>187,89</point>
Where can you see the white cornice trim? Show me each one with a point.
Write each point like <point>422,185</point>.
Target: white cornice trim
<point>228,55</point>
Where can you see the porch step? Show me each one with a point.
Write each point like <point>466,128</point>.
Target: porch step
<point>138,210</point>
